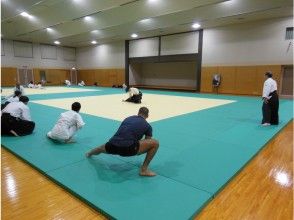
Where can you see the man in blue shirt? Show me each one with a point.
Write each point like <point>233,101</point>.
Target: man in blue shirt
<point>127,141</point>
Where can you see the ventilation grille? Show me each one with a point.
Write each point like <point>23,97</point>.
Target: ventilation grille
<point>289,33</point>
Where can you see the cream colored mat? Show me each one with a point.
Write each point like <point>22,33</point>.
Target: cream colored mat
<point>160,106</point>
<point>47,90</point>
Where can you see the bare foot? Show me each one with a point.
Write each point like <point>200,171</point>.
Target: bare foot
<point>14,133</point>
<point>148,173</point>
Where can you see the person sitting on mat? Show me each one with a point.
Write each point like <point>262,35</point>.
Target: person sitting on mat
<point>82,83</point>
<point>16,118</point>
<point>14,98</point>
<point>127,141</point>
<point>67,125</point>
<point>135,95</point>
<point>67,82</point>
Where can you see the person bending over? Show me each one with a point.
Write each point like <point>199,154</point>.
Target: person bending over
<point>135,95</point>
<point>14,98</point>
<point>128,141</point>
<point>16,118</point>
<point>67,125</point>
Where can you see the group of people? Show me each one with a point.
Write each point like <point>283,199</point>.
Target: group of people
<point>68,83</point>
<point>127,141</point>
<point>39,85</point>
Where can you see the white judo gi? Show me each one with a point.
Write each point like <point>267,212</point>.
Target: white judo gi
<point>66,126</point>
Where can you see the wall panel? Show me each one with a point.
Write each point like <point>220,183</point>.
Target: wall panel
<point>8,76</point>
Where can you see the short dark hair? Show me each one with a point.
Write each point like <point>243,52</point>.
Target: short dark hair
<point>269,74</point>
<point>76,106</point>
<point>17,93</point>
<point>24,99</point>
<point>143,111</point>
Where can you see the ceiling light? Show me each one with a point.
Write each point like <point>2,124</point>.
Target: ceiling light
<point>73,68</point>
<point>87,18</point>
<point>93,42</point>
<point>56,42</point>
<point>49,29</point>
<point>196,25</point>
<point>134,35</point>
<point>24,14</point>
<point>94,31</point>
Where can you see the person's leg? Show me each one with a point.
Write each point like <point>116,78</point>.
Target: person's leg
<point>150,147</point>
<point>266,113</point>
<point>23,127</point>
<point>274,105</point>
<point>96,151</point>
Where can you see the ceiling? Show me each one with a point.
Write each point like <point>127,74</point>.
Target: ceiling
<point>115,20</point>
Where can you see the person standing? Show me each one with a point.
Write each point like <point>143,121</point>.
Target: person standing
<point>270,107</point>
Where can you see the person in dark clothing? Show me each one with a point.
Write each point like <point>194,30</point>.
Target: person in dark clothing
<point>135,95</point>
<point>16,118</point>
<point>270,106</point>
<point>128,141</point>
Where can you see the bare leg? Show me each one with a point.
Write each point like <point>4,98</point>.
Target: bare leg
<point>150,147</point>
<point>96,151</point>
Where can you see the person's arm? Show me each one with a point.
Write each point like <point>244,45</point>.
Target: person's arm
<point>266,91</point>
<point>26,115</point>
<point>80,122</point>
<point>148,133</point>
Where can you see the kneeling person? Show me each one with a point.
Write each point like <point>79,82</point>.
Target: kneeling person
<point>127,141</point>
<point>67,125</point>
<point>16,118</point>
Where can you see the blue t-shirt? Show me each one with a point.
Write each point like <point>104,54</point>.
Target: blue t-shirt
<point>132,129</point>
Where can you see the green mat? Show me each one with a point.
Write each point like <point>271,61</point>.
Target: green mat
<point>199,153</point>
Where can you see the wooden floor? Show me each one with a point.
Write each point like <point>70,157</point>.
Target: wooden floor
<point>263,190</point>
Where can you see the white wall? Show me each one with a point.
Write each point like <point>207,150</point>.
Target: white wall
<point>254,43</point>
<point>101,56</point>
<point>9,60</point>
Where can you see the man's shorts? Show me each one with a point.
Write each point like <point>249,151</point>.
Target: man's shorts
<point>124,151</point>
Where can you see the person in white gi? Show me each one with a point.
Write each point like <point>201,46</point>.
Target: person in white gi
<point>14,98</point>
<point>270,107</point>
<point>67,82</point>
<point>31,85</point>
<point>16,118</point>
<point>18,87</point>
<point>67,125</point>
<point>82,83</point>
<point>135,95</point>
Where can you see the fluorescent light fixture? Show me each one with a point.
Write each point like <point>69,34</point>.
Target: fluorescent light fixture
<point>24,14</point>
<point>196,25</point>
<point>49,29</point>
<point>134,35</point>
<point>56,42</point>
<point>93,42</point>
<point>146,20</point>
<point>94,31</point>
<point>87,18</point>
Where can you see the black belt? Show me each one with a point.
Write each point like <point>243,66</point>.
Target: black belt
<point>272,93</point>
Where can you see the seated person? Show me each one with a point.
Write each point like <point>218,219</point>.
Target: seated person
<point>135,95</point>
<point>82,83</point>
<point>67,125</point>
<point>16,118</point>
<point>216,80</point>
<point>31,84</point>
<point>14,98</point>
<point>67,82</point>
<point>95,84</point>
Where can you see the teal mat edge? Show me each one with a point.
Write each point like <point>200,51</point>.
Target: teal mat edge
<point>238,172</point>
<point>60,184</point>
